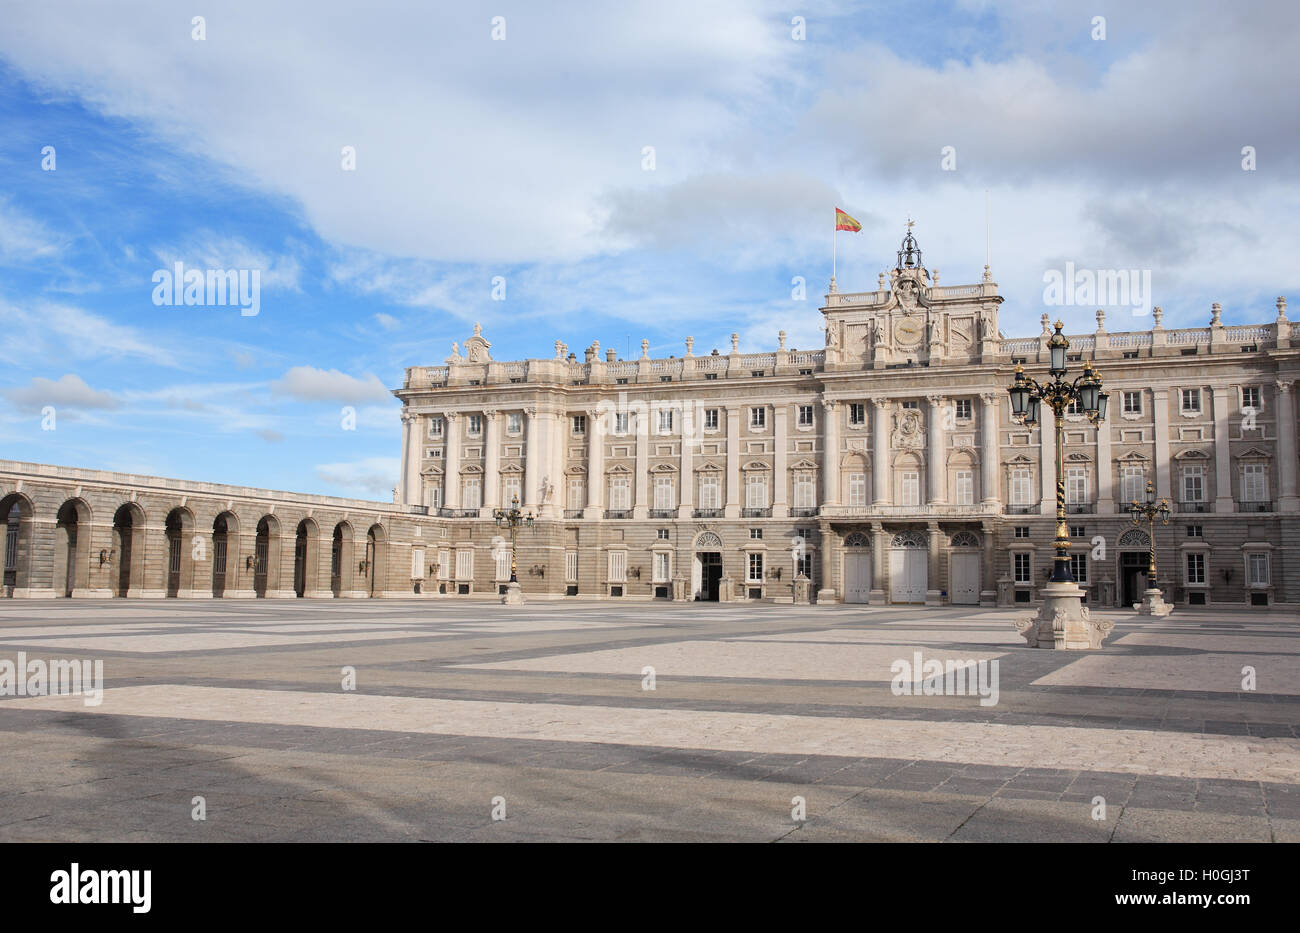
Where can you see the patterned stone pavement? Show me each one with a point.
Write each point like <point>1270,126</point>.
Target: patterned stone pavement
<point>543,711</point>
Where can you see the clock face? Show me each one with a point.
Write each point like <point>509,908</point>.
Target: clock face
<point>908,330</point>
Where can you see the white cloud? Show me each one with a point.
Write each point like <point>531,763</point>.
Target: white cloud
<point>53,330</point>
<point>23,238</point>
<point>68,390</point>
<point>210,251</point>
<point>373,477</point>
<point>309,384</point>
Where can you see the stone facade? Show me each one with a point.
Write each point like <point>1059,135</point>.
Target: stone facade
<point>882,467</point>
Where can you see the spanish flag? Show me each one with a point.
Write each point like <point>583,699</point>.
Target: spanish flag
<point>844,222</point>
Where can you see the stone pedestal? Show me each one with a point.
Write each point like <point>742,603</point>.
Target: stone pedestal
<point>1153,604</point>
<point>513,596</point>
<point>826,596</point>
<point>802,590</point>
<point>1063,622</point>
<point>876,598</point>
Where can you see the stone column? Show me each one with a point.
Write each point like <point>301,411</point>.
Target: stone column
<point>933,593</point>
<point>532,460</point>
<point>491,462</point>
<point>595,463</point>
<point>826,594</point>
<point>558,438</point>
<point>988,583</point>
<point>1286,447</point>
<point>830,452</point>
<point>936,473</point>
<point>1047,461</point>
<point>991,452</point>
<point>1222,459</point>
<point>1105,469</point>
<point>686,476</point>
<point>404,474</point>
<point>780,479</point>
<point>880,469</point>
<point>732,509</point>
<point>1160,409</point>
<point>641,481</point>
<point>451,460</point>
<point>879,576</point>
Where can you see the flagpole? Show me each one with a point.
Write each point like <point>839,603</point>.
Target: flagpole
<point>835,234</point>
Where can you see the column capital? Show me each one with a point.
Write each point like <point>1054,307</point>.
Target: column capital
<point>451,415</point>
<point>989,398</point>
<point>936,400</point>
<point>531,411</point>
<point>830,404</point>
<point>407,417</point>
<point>880,401</point>
<point>1285,385</point>
<point>490,413</point>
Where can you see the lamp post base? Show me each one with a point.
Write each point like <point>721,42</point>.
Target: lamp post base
<point>1063,622</point>
<point>1153,604</point>
<point>513,596</point>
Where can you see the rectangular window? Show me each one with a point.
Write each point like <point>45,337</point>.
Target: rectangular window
<point>1195,568</point>
<point>570,566</point>
<point>661,534</point>
<point>710,376</point>
<point>755,568</point>
<point>465,565</point>
<point>1250,398</point>
<point>1078,531</point>
<point>1132,403</point>
<point>912,403</point>
<point>1133,485</point>
<point>910,487</point>
<point>1191,399</point>
<point>666,421</point>
<point>756,373</point>
<point>435,427</point>
<point>804,491</point>
<point>662,566</point>
<point>858,490</point>
<point>1257,569</point>
<point>472,493</point>
<point>579,424</point>
<point>475,425</point>
<point>620,422</point>
<point>805,416</point>
<point>621,381</point>
<point>435,497</point>
<point>756,534</point>
<point>664,493</point>
<point>1079,567</point>
<point>503,565</point>
<point>577,492</point>
<point>1022,531</point>
<point>1021,486</point>
<point>1022,568</point>
<point>618,566</point>
<point>514,422</point>
<point>857,413</point>
<point>618,494</point>
<point>1074,408</point>
<point>1254,483</point>
<point>756,491</point>
<point>510,486</point>
<point>665,378</point>
<point>709,491</point>
<point>710,419</point>
<point>1194,531</point>
<point>964,409</point>
<point>1076,485</point>
<point>757,418</point>
<point>1194,484</point>
<point>444,565</point>
<point>965,487</point>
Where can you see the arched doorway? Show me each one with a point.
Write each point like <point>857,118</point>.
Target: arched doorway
<point>965,569</point>
<point>265,553</point>
<point>304,558</point>
<point>179,531</point>
<point>225,529</point>
<point>706,569</point>
<point>17,511</point>
<point>857,568</point>
<point>128,549</point>
<point>72,547</point>
<point>1134,549</point>
<point>909,573</point>
<point>376,560</point>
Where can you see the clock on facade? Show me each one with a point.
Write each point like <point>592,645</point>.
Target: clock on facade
<point>908,330</point>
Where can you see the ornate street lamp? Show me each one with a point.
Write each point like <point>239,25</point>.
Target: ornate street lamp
<point>1062,622</point>
<point>512,518</point>
<point>1153,602</point>
<point>1027,396</point>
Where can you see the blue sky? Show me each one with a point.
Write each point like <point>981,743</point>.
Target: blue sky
<point>523,158</point>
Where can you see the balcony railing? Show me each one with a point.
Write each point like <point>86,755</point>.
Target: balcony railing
<point>663,513</point>
<point>573,513</point>
<point>1080,508</point>
<point>618,513</point>
<point>1031,509</point>
<point>458,513</point>
<point>707,513</point>
<point>1257,505</point>
<point>755,513</point>
<point>803,512</point>
<point>1193,507</point>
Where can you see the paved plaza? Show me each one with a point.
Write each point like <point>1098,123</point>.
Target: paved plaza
<point>1185,727</point>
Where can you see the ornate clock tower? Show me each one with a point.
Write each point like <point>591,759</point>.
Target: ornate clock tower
<point>912,321</point>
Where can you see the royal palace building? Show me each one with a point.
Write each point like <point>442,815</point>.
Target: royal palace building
<point>884,467</point>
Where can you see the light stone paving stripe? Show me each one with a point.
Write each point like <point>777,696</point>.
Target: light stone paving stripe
<point>1224,641</point>
<point>746,659</point>
<point>149,643</point>
<point>1209,672</point>
<point>1006,637</point>
<point>1183,755</point>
